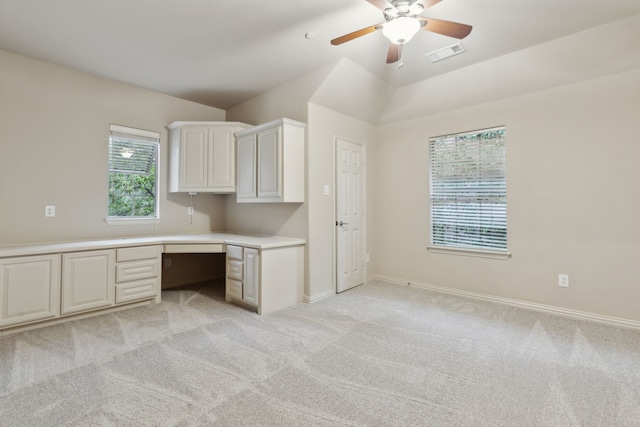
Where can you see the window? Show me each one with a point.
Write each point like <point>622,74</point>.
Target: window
<point>469,191</point>
<point>133,175</point>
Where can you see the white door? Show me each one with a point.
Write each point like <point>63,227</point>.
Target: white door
<point>349,214</point>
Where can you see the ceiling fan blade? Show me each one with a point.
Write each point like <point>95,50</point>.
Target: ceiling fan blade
<point>394,53</point>
<point>381,4</point>
<point>355,34</point>
<point>446,28</point>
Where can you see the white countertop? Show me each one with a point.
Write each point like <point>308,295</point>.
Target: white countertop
<point>252,241</point>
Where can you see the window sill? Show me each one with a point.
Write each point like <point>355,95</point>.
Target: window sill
<point>132,221</point>
<point>470,252</point>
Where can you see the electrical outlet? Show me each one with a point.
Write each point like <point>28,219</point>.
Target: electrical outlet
<point>167,262</point>
<point>563,280</point>
<point>190,210</point>
<point>49,211</point>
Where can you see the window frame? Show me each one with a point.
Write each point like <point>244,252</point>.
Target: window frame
<point>466,249</point>
<point>146,135</point>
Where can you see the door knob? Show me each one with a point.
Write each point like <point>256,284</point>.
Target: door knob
<point>341,223</point>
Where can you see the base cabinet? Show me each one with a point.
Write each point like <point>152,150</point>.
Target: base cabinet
<point>138,273</point>
<point>251,283</point>
<point>88,280</point>
<point>29,289</point>
<point>243,275</point>
<point>267,280</point>
<point>37,288</point>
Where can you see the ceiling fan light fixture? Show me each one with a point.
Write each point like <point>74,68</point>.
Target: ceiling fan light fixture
<point>416,9</point>
<point>400,30</point>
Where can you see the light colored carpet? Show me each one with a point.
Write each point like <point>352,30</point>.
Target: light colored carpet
<point>377,355</point>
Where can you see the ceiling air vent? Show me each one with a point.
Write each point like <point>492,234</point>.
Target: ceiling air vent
<point>447,52</point>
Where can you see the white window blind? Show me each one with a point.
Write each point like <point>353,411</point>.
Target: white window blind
<point>133,159</point>
<point>469,190</point>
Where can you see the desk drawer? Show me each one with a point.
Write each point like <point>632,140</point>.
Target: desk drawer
<point>234,289</point>
<point>137,270</point>
<point>234,252</point>
<point>234,269</point>
<point>138,253</point>
<point>136,290</point>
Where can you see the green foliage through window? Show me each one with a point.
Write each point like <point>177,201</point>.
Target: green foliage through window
<point>132,176</point>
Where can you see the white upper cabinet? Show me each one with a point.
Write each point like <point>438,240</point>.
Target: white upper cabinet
<point>247,167</point>
<point>202,156</point>
<point>271,163</point>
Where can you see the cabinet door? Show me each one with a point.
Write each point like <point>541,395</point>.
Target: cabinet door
<point>222,159</point>
<point>251,282</point>
<point>193,157</point>
<point>29,289</point>
<point>270,163</point>
<point>88,280</point>
<point>247,167</point>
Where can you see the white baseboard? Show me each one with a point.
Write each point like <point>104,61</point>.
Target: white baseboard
<point>582,315</point>
<point>70,318</point>
<point>318,297</point>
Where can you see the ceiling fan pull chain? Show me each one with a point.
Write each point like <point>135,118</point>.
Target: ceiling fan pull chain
<point>400,63</point>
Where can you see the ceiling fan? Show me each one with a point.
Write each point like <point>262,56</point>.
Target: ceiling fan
<point>402,22</point>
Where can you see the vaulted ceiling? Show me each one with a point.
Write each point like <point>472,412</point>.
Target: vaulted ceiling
<point>223,52</point>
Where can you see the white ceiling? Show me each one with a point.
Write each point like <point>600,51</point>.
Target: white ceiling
<point>222,52</point>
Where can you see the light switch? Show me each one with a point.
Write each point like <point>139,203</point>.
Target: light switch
<point>326,190</point>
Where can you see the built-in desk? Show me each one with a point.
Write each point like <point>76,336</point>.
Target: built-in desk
<point>43,283</point>
<point>265,273</point>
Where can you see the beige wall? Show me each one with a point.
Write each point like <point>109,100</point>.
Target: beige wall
<point>324,126</point>
<point>54,128</point>
<point>288,100</point>
<point>328,100</point>
<point>353,91</point>
<point>573,198</point>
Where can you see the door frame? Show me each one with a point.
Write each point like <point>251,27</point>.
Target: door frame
<point>335,138</point>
